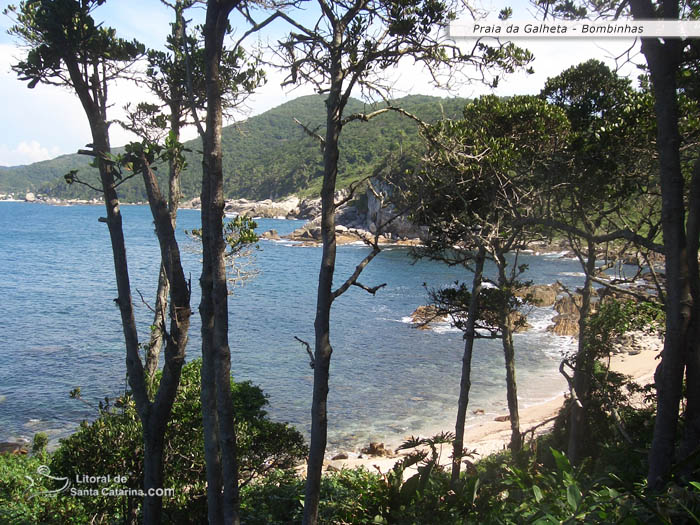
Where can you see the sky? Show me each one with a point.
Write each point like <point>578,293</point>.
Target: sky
<point>47,121</point>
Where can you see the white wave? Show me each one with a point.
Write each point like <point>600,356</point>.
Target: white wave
<point>555,255</point>
<point>539,319</point>
<point>573,274</point>
<point>444,328</point>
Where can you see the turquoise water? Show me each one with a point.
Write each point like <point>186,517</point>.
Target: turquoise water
<point>60,330</point>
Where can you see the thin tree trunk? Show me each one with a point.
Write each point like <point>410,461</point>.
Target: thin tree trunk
<point>583,368</point>
<point>465,381</point>
<point>506,328</point>
<point>156,424</point>
<point>154,416</point>
<point>163,291</point>
<point>210,418</point>
<point>156,341</point>
<point>324,300</point>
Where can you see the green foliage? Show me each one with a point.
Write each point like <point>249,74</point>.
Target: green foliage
<point>41,440</point>
<point>454,301</point>
<point>615,318</point>
<point>348,496</point>
<point>611,417</point>
<point>59,32</point>
<point>485,167</point>
<point>239,233</point>
<point>420,497</point>
<point>25,497</point>
<point>611,161</point>
<point>113,444</point>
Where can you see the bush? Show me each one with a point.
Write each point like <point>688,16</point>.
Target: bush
<point>350,496</point>
<point>25,497</point>
<point>113,445</point>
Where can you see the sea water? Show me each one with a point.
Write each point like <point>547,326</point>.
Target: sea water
<point>60,328</point>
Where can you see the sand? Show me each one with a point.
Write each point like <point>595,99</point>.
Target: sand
<point>490,436</point>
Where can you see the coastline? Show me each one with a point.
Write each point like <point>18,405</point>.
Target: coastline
<point>488,435</point>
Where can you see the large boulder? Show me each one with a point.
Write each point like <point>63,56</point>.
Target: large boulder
<point>540,294</point>
<point>564,324</point>
<point>309,209</point>
<point>568,304</point>
<point>271,235</point>
<point>267,208</point>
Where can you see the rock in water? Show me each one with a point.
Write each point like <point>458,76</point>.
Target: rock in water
<point>565,324</point>
<point>540,294</point>
<point>376,449</point>
<point>424,315</point>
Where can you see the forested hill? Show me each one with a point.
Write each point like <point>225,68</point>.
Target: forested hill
<point>266,156</point>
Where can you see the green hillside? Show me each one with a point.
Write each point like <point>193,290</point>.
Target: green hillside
<point>266,156</point>
<point>19,179</point>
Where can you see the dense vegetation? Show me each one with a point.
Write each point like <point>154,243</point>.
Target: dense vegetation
<point>266,156</point>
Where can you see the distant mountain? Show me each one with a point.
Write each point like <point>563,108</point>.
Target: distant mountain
<point>266,156</point>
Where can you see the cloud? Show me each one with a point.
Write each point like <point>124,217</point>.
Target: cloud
<point>26,153</point>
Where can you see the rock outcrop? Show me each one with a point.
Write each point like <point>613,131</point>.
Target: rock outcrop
<point>267,209</point>
<point>540,294</point>
<point>377,449</point>
<point>566,322</point>
<point>423,316</point>
<point>7,447</point>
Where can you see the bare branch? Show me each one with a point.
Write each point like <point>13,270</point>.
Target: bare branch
<point>143,300</point>
<point>372,290</point>
<point>312,363</point>
<point>356,274</point>
<point>312,133</point>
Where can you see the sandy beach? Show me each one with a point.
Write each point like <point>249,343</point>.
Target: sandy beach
<point>490,436</point>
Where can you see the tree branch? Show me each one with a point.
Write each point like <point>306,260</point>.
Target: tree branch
<point>356,274</point>
<point>312,362</point>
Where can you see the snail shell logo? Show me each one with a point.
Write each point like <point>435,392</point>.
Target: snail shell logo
<point>45,471</point>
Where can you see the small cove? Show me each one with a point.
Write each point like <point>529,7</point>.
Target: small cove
<point>61,329</point>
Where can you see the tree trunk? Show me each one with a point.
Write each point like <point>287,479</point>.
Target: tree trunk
<point>465,382</point>
<point>583,367</point>
<point>662,59</point>
<point>157,331</point>
<point>152,474</point>
<point>217,407</point>
<point>154,416</point>
<point>691,434</point>
<point>156,424</point>
<point>163,291</point>
<point>506,327</point>
<point>324,300</point>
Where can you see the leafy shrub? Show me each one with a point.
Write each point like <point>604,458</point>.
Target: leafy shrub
<point>350,496</point>
<point>113,444</point>
<point>23,498</point>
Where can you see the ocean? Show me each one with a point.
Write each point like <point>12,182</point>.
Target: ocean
<point>60,329</point>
